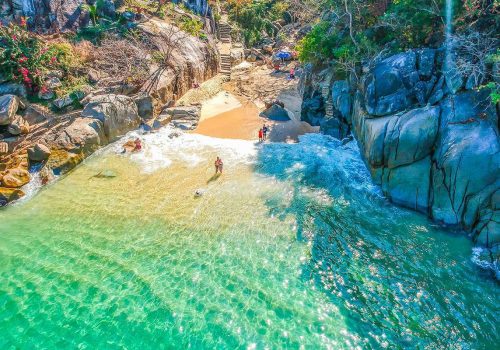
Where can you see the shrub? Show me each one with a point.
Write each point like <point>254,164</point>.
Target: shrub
<point>25,58</point>
<point>256,17</point>
<point>192,26</point>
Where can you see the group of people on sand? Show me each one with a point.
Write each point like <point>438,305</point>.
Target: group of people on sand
<point>263,133</point>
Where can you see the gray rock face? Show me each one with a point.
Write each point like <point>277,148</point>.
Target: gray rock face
<point>409,185</point>
<point>13,89</point>
<point>342,99</point>
<point>275,112</point>
<point>38,152</point>
<point>184,118</point>
<point>467,160</point>
<point>145,105</point>
<point>431,145</point>
<point>388,86</point>
<point>18,126</point>
<point>8,108</point>
<point>117,113</point>
<point>83,135</point>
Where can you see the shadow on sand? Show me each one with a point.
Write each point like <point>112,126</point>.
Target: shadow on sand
<point>215,177</point>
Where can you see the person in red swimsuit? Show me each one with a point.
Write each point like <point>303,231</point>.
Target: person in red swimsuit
<point>218,165</point>
<point>138,145</point>
<point>261,135</point>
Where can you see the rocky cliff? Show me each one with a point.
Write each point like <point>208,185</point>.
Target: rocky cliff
<point>36,141</point>
<point>70,14</point>
<point>429,139</point>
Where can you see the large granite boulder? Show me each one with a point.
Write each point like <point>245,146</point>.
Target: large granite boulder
<point>83,135</point>
<point>409,185</point>
<point>467,161</point>
<point>18,126</point>
<point>8,108</point>
<point>275,112</point>
<point>195,60</point>
<point>388,87</point>
<point>38,153</point>
<point>15,178</point>
<point>117,113</point>
<point>184,118</point>
<point>411,136</point>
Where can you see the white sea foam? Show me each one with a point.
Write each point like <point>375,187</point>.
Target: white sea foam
<point>161,149</point>
<point>476,258</point>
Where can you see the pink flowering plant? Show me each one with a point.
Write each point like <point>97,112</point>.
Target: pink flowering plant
<point>24,57</point>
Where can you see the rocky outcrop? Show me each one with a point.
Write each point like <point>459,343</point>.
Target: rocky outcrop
<point>15,178</point>
<point>53,14</point>
<point>8,108</point>
<point>275,112</point>
<point>9,194</point>
<point>117,113</point>
<point>430,144</point>
<point>194,60</point>
<point>38,153</point>
<point>184,118</point>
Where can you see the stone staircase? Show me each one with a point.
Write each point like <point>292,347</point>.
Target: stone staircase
<point>225,64</point>
<point>327,97</point>
<point>225,48</point>
<point>225,32</point>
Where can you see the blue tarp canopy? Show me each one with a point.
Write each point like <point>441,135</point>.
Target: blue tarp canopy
<point>284,55</point>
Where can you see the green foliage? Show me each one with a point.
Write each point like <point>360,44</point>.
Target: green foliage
<point>94,10</point>
<point>256,17</point>
<point>361,29</point>
<point>192,26</point>
<point>26,59</point>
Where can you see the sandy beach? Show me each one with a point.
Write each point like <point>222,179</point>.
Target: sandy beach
<point>231,115</point>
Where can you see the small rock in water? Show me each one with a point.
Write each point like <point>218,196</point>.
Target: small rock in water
<point>174,134</point>
<point>199,192</point>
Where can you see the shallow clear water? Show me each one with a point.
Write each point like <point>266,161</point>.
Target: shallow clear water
<point>291,248</point>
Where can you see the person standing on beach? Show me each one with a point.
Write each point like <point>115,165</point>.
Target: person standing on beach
<point>218,165</point>
<point>261,135</point>
<point>264,132</point>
